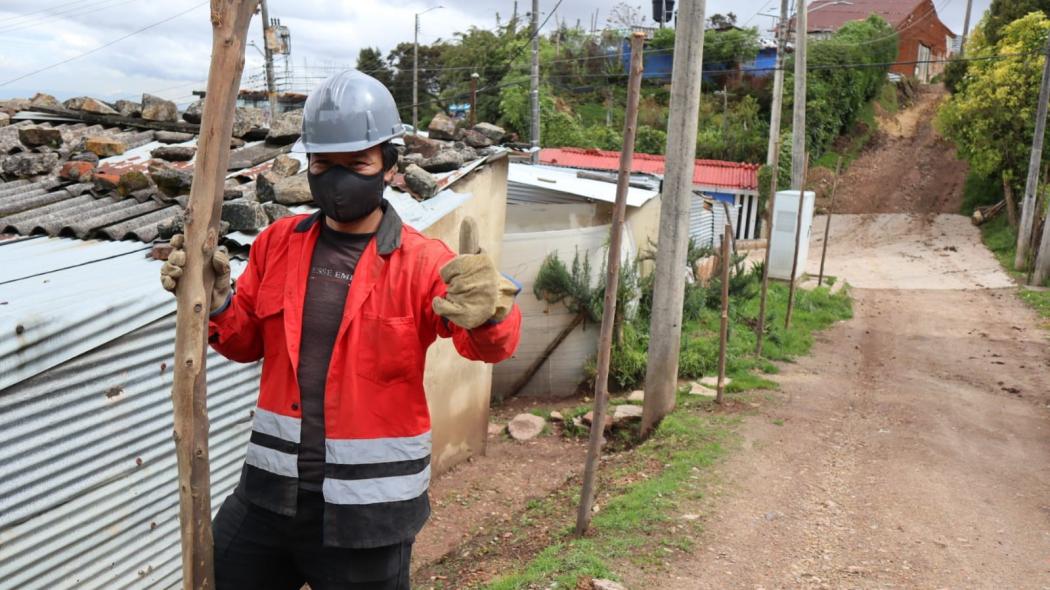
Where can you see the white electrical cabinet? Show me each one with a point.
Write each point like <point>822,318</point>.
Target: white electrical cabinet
<point>782,236</point>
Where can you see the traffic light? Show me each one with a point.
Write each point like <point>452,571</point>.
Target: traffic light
<point>667,6</point>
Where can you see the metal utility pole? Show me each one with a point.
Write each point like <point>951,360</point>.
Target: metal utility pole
<point>778,88</point>
<point>966,29</point>
<point>798,124</point>
<point>534,84</point>
<point>1028,207</point>
<point>229,21</point>
<point>661,376</point>
<point>473,98</point>
<point>415,72</point>
<point>612,279</point>
<point>271,87</point>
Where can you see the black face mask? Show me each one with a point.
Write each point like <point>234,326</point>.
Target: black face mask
<point>345,195</point>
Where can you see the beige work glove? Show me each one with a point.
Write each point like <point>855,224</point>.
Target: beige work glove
<point>220,263</point>
<point>477,292</point>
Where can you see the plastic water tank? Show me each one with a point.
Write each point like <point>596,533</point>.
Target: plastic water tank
<point>782,236</point>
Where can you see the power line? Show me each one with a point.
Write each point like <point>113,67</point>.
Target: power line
<point>101,47</point>
<point>68,13</point>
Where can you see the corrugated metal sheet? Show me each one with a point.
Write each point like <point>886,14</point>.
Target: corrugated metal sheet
<point>701,222</point>
<point>88,479</point>
<point>90,487</point>
<point>715,173</point>
<point>550,185</point>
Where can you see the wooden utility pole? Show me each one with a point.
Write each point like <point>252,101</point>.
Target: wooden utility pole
<point>612,281</point>
<point>229,20</point>
<point>966,29</point>
<point>271,86</point>
<point>798,124</point>
<point>760,328</point>
<point>1028,208</point>
<point>665,328</point>
<point>534,82</point>
<point>827,223</point>
<point>794,255</point>
<point>778,91</point>
<point>723,334</point>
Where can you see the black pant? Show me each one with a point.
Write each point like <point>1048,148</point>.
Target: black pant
<point>256,549</point>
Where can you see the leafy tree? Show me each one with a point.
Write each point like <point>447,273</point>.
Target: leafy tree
<point>991,118</point>
<point>487,53</point>
<point>650,140</point>
<point>1003,12</point>
<point>731,46</point>
<point>624,16</point>
<point>370,61</point>
<point>722,22</point>
<point>400,59</point>
<point>662,39</point>
<point>837,88</point>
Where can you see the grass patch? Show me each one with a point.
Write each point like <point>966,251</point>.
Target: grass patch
<point>634,523</point>
<point>850,145</point>
<point>887,99</point>
<point>1001,239</point>
<point>642,492</point>
<point>1040,302</point>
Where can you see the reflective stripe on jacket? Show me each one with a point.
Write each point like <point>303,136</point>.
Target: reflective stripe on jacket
<point>377,424</point>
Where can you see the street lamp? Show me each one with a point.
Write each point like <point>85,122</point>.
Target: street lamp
<point>415,73</point>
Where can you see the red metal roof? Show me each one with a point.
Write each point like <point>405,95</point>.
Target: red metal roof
<point>829,15</point>
<point>706,172</point>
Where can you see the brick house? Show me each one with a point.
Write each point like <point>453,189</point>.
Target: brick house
<point>923,37</point>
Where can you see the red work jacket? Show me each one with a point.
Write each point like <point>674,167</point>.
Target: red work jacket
<point>377,424</point>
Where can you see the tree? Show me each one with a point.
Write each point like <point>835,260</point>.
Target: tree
<point>430,64</point>
<point>370,61</point>
<point>722,22</point>
<point>1003,12</point>
<point>991,117</point>
<point>625,17</point>
<point>487,53</point>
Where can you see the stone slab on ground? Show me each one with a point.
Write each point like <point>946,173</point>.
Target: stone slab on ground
<point>526,426</point>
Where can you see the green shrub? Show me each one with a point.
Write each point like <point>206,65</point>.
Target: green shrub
<point>650,141</point>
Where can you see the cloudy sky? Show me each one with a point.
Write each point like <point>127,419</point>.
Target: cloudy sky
<point>163,47</point>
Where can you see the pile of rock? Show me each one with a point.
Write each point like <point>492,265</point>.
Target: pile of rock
<point>447,147</point>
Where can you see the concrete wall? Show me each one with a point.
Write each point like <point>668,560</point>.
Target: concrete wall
<point>458,390</point>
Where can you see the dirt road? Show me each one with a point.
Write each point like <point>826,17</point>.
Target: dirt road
<point>912,448</point>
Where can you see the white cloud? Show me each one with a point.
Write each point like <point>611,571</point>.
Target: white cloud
<point>172,59</point>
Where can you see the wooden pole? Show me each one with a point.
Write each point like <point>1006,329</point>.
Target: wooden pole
<point>794,255</point>
<point>723,338</point>
<point>665,326</point>
<point>547,352</point>
<point>229,20</point>
<point>612,280</point>
<point>760,328</point>
<point>1029,212</point>
<point>827,224</point>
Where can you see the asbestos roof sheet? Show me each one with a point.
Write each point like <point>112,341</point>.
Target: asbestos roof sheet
<point>57,207</point>
<point>567,182</point>
<point>708,173</point>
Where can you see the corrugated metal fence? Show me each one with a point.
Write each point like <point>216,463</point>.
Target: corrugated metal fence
<point>88,479</point>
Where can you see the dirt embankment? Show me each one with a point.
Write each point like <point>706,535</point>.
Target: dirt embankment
<point>908,167</point>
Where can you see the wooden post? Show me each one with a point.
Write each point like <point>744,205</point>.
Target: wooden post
<point>229,20</point>
<point>1029,212</point>
<point>778,88</point>
<point>612,280</point>
<point>760,328</point>
<point>665,326</point>
<point>798,241</point>
<point>723,338</point>
<point>827,224</point>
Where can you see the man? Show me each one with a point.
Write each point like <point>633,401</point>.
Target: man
<point>341,306</point>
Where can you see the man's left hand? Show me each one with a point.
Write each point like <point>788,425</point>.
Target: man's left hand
<point>477,293</point>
